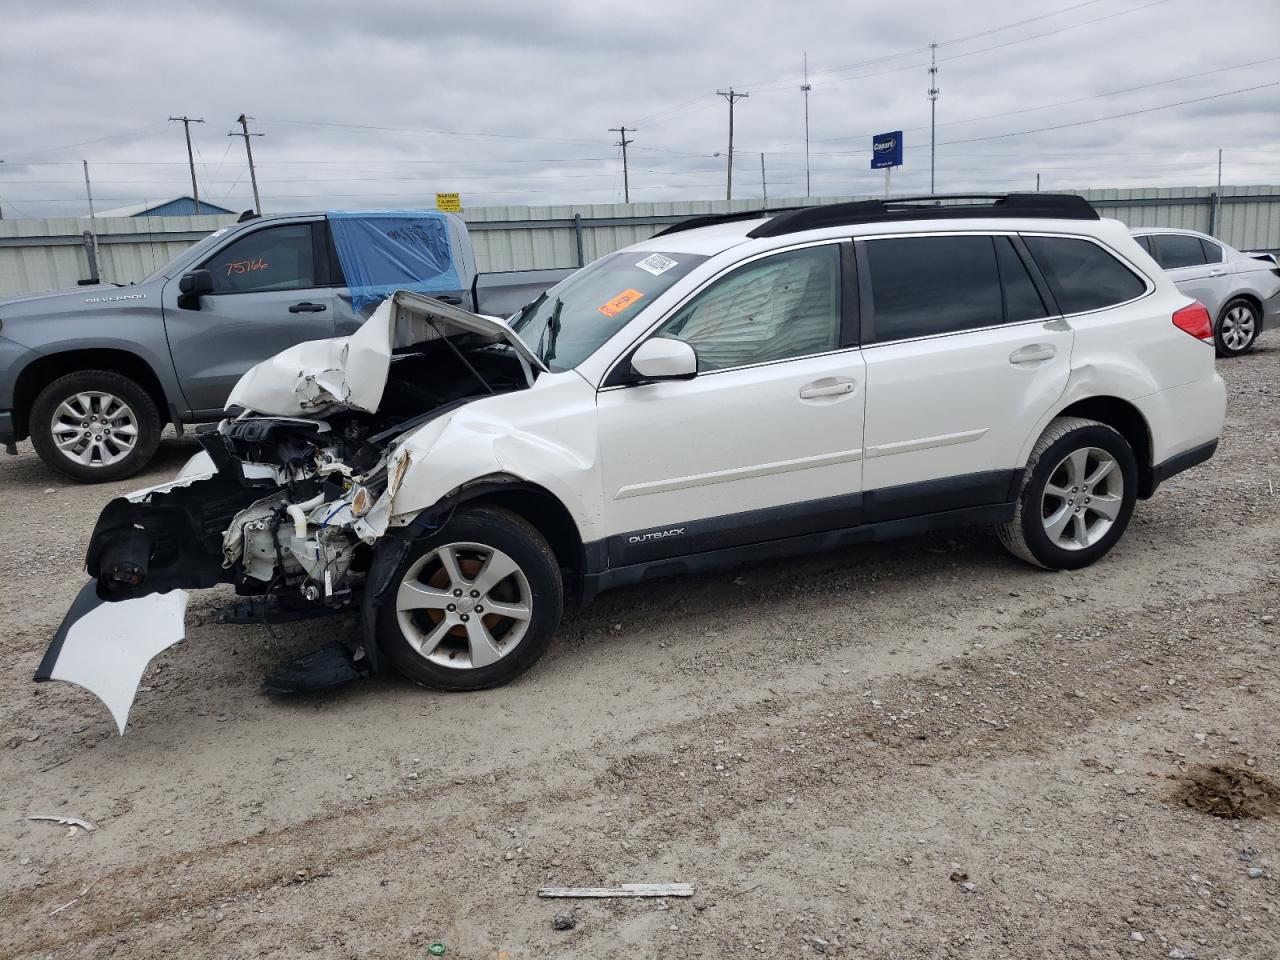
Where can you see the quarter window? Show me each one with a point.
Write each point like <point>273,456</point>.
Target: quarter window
<point>923,286</point>
<point>1082,275</point>
<point>1174,250</point>
<point>1212,252</point>
<point>775,308</point>
<point>275,258</point>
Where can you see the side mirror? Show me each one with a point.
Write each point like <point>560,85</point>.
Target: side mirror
<point>192,286</point>
<point>661,358</point>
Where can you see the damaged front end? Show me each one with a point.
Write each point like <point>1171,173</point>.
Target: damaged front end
<point>287,502</point>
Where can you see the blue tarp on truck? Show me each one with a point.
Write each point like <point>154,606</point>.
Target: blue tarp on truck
<point>393,250</point>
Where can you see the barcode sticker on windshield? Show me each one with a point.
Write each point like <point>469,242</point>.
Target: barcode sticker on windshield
<point>619,303</point>
<point>656,264</point>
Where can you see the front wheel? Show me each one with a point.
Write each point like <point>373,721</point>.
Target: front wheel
<point>95,425</point>
<point>474,605</point>
<point>1078,493</point>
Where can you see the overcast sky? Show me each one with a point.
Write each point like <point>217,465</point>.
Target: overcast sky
<point>380,104</point>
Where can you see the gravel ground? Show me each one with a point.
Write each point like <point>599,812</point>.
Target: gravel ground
<point>916,749</point>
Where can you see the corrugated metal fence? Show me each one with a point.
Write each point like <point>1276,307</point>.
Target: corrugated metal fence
<point>38,255</point>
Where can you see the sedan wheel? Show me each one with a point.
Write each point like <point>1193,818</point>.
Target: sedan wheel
<point>1237,328</point>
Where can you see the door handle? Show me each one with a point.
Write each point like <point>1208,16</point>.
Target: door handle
<point>1033,353</point>
<point>837,388</point>
<point>454,300</point>
<point>306,307</point>
<point>1217,273</point>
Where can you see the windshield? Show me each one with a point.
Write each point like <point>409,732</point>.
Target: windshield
<point>570,321</point>
<point>199,247</point>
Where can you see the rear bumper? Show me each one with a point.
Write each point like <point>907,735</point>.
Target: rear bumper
<point>1182,461</point>
<point>1270,311</point>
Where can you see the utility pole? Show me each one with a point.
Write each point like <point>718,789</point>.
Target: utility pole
<point>622,142</point>
<point>733,98</point>
<point>93,225</point>
<point>191,160</point>
<point>1037,183</point>
<point>805,88</point>
<point>1217,200</point>
<point>933,105</point>
<point>253,176</point>
<point>764,186</point>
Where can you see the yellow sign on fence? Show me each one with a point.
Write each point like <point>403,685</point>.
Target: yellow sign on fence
<point>449,202</point>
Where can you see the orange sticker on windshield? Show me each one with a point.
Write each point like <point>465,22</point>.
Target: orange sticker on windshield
<point>619,303</point>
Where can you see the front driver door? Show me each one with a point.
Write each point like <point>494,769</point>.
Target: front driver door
<point>270,291</point>
<point>766,441</point>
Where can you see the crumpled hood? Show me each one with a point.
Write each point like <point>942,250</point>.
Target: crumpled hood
<point>349,373</point>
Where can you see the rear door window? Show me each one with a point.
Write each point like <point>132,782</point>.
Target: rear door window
<point>924,286</point>
<point>274,258</point>
<point>1082,275</point>
<point>1175,250</point>
<point>1021,298</point>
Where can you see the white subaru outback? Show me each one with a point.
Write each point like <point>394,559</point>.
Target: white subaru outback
<point>735,388</point>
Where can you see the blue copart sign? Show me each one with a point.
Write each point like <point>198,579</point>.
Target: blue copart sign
<point>886,150</point>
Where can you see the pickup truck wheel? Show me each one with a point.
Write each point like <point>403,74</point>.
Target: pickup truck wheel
<point>1078,493</point>
<point>473,606</point>
<point>95,425</point>
<point>1237,328</point>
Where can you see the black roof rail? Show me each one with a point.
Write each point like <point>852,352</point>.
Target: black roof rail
<point>1059,206</point>
<point>711,219</point>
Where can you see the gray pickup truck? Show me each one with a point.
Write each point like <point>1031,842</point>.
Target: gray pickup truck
<point>93,375</point>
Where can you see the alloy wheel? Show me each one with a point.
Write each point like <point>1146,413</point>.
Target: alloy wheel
<point>94,428</point>
<point>464,605</point>
<point>1082,498</point>
<point>1238,326</point>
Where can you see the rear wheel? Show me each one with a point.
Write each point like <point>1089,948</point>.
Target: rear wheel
<point>1078,493</point>
<point>1237,328</point>
<point>95,425</point>
<point>475,605</point>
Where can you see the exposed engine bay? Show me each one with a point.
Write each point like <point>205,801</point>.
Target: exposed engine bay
<point>304,525</point>
<point>287,499</point>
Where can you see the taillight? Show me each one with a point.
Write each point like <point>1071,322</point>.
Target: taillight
<point>1195,321</point>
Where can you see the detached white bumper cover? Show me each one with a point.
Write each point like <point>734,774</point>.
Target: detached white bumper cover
<point>105,647</point>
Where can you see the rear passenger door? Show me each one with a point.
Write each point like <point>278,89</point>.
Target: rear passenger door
<point>1194,265</point>
<point>963,357</point>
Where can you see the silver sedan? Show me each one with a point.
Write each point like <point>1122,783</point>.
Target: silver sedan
<point>1241,290</point>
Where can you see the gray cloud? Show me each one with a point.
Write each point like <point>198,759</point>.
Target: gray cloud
<point>381,104</point>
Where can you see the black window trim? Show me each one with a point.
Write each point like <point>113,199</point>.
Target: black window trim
<point>319,265</point>
<point>1148,283</point>
<point>616,377</point>
<point>867,305</point>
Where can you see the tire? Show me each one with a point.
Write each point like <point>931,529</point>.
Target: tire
<point>1237,328</point>
<point>1072,449</point>
<point>430,644</point>
<point>108,402</point>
